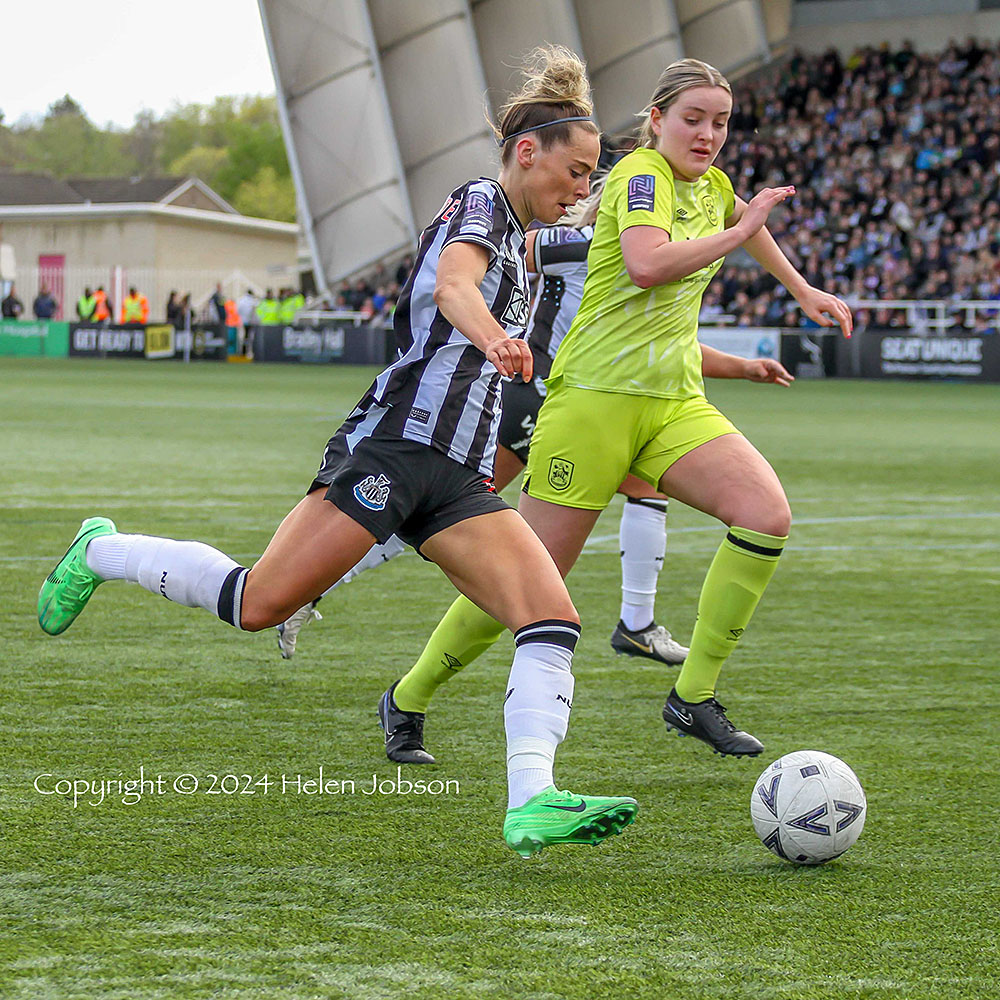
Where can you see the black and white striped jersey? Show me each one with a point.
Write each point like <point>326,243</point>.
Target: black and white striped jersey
<point>441,391</point>
<point>561,259</point>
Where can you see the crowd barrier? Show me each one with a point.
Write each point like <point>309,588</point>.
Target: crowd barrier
<point>806,353</point>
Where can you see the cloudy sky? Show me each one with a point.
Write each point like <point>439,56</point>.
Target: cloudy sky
<point>115,57</point>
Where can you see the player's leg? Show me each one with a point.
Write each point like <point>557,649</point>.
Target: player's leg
<point>312,547</point>
<point>464,633</point>
<point>728,478</point>
<point>377,555</point>
<point>499,563</point>
<point>642,537</point>
<point>438,662</point>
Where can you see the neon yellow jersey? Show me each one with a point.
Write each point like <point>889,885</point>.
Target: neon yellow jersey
<point>644,340</point>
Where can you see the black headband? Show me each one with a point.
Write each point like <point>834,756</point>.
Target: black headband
<point>534,128</point>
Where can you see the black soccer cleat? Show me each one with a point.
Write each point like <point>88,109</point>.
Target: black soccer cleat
<point>404,732</point>
<point>707,721</point>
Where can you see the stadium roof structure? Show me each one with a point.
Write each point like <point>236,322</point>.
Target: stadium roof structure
<point>382,103</point>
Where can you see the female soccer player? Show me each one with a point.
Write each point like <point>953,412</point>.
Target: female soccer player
<point>415,459</point>
<point>559,254</point>
<point>625,394</point>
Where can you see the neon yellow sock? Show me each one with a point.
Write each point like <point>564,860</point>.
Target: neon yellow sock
<point>738,576</point>
<point>464,633</point>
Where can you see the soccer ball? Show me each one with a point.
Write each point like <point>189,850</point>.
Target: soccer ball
<point>808,807</point>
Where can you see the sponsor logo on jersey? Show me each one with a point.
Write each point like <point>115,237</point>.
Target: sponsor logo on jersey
<point>516,312</point>
<point>421,416</point>
<point>478,214</point>
<point>641,193</point>
<point>373,492</point>
<point>448,208</point>
<point>560,473</point>
<point>681,214</point>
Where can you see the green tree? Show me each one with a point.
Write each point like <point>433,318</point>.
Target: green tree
<point>266,196</point>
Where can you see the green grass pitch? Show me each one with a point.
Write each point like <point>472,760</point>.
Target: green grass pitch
<point>877,641</point>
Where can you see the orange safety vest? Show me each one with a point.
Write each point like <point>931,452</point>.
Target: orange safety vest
<point>135,310</point>
<point>101,306</point>
<point>232,313</point>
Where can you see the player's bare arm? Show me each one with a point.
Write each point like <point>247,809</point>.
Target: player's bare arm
<point>460,272</point>
<point>821,307</point>
<point>719,364</point>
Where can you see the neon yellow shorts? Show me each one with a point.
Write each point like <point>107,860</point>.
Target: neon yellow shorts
<point>587,440</point>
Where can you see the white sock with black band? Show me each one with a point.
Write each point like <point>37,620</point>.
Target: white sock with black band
<point>642,541</point>
<point>189,573</point>
<point>536,709</point>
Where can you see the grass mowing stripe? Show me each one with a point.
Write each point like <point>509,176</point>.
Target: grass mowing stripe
<point>883,654</point>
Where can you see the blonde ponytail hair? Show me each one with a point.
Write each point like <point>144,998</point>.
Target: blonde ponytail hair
<point>555,87</point>
<point>674,80</point>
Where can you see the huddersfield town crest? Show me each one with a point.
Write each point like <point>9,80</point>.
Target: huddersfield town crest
<point>560,473</point>
<point>373,493</point>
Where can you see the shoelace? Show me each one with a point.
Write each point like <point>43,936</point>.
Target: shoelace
<point>720,711</point>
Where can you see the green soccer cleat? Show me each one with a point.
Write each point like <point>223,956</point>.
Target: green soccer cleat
<point>555,817</point>
<point>68,587</point>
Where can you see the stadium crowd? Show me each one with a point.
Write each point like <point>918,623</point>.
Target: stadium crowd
<point>896,159</point>
<point>895,156</point>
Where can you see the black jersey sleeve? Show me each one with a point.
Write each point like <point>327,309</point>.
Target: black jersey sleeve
<point>481,217</point>
<point>560,245</point>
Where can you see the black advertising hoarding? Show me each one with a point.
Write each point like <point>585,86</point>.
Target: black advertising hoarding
<point>89,341</point>
<point>323,344</point>
<point>897,354</point>
<point>810,353</point>
<point>203,342</point>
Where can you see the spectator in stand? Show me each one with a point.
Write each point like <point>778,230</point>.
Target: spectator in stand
<point>135,308</point>
<point>12,307</point>
<point>174,317</point>
<point>291,302</point>
<point>103,306</point>
<point>218,302</point>
<point>403,271</point>
<point>367,309</point>
<point>267,309</point>
<point>186,312</point>
<point>44,305</point>
<point>85,306</point>
<point>246,306</point>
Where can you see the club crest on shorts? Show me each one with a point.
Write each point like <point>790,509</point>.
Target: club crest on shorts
<point>560,473</point>
<point>373,492</point>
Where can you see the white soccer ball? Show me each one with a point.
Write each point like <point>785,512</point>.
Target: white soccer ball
<point>808,807</point>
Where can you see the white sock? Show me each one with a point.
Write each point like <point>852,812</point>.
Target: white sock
<point>377,555</point>
<point>642,540</point>
<point>536,709</point>
<point>189,573</point>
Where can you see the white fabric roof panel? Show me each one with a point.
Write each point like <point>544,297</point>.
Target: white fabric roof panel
<point>507,29</point>
<point>382,101</point>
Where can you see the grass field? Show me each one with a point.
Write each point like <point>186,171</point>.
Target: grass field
<point>877,641</point>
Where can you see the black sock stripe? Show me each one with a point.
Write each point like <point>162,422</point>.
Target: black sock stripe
<point>231,596</point>
<point>761,550</point>
<point>651,502</point>
<point>551,631</point>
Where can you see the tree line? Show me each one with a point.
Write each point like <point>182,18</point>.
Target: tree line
<point>233,144</point>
